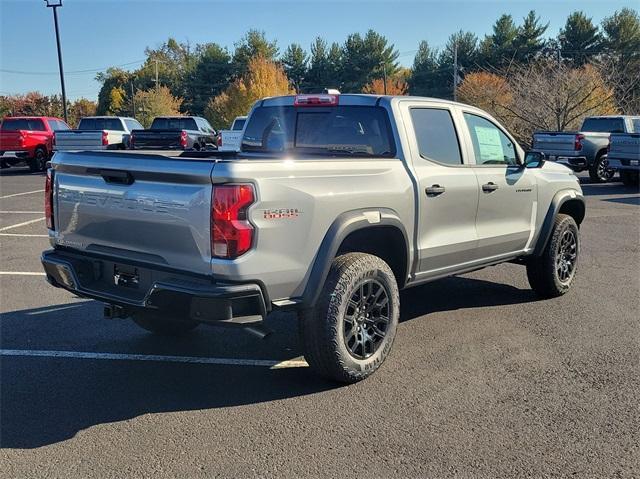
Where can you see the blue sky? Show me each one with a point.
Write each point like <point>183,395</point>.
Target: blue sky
<point>100,33</point>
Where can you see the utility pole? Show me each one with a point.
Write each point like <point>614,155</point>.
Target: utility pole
<point>133,102</point>
<point>384,76</point>
<point>559,49</point>
<point>54,4</point>
<point>455,71</point>
<point>156,60</point>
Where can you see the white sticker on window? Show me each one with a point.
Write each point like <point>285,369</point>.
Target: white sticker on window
<point>489,144</point>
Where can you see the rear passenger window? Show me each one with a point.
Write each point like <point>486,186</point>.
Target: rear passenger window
<point>436,135</point>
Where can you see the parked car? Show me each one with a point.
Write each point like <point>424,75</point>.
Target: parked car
<point>334,204</point>
<point>586,149</point>
<point>624,156</point>
<point>175,132</point>
<point>28,139</point>
<point>97,133</point>
<point>229,140</point>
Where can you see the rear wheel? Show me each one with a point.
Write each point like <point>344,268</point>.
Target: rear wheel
<point>629,178</point>
<point>349,333</point>
<point>163,326</point>
<point>39,160</point>
<point>600,171</point>
<point>552,274</point>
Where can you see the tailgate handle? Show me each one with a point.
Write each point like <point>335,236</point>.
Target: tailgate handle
<point>117,176</point>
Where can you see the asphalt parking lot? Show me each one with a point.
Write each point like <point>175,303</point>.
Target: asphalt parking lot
<point>485,380</point>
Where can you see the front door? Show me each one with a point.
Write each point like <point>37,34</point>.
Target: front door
<point>507,202</point>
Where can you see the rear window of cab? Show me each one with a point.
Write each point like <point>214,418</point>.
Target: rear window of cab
<point>362,131</point>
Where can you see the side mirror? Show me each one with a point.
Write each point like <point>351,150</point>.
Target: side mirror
<point>534,159</point>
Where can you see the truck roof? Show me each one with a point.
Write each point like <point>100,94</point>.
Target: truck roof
<point>106,116</point>
<point>31,118</point>
<point>354,99</point>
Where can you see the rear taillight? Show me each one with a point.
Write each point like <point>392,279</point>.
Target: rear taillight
<point>183,139</point>
<point>53,139</point>
<point>132,141</point>
<point>219,140</point>
<point>48,199</point>
<point>316,100</point>
<point>577,145</point>
<point>231,231</point>
<point>105,138</point>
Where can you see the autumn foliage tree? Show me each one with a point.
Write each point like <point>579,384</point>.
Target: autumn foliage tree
<point>263,78</point>
<point>396,84</point>
<point>156,102</point>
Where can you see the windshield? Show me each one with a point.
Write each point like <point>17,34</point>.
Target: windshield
<point>604,125</point>
<point>174,124</point>
<point>100,124</point>
<point>337,131</point>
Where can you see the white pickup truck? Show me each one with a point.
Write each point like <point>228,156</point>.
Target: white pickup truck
<point>97,133</point>
<point>229,140</point>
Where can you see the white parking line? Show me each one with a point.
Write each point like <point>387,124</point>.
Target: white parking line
<point>20,194</point>
<point>264,363</point>
<point>20,273</point>
<point>25,223</point>
<point>24,235</point>
<point>21,212</point>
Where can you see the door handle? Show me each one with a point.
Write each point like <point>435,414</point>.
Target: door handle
<point>434,190</point>
<point>489,187</point>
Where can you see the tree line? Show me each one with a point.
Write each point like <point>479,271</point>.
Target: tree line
<point>208,79</point>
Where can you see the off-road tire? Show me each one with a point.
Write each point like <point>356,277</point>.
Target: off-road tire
<point>599,171</point>
<point>39,160</point>
<point>542,271</point>
<point>629,178</point>
<point>322,328</point>
<point>163,326</point>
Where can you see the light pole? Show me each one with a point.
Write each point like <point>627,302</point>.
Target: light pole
<point>55,4</point>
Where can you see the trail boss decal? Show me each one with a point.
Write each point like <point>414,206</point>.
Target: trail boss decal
<point>281,213</point>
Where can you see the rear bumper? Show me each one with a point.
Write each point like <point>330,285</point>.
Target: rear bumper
<point>574,162</point>
<point>629,165</point>
<point>167,293</point>
<point>19,154</point>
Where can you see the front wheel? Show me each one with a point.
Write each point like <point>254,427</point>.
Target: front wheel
<point>600,171</point>
<point>552,274</point>
<point>349,333</point>
<point>163,326</point>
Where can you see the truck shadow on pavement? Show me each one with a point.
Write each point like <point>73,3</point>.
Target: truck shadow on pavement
<point>45,400</point>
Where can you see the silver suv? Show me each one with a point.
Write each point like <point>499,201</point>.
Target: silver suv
<point>333,205</point>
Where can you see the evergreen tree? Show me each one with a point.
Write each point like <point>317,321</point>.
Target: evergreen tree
<point>579,39</point>
<point>295,62</point>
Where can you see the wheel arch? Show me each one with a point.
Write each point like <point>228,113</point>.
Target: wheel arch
<point>386,237</point>
<point>567,202</point>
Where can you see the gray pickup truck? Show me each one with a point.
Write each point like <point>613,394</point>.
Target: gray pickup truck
<point>586,149</point>
<point>97,133</point>
<point>624,156</point>
<point>333,205</point>
<point>177,133</point>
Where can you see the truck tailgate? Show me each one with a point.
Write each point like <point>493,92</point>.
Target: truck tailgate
<point>157,139</point>
<point>554,142</point>
<point>78,139</point>
<point>11,140</point>
<point>624,146</point>
<point>136,207</point>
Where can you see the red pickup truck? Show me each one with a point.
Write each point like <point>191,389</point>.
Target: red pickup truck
<point>28,139</point>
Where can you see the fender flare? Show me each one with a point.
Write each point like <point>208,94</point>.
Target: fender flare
<point>345,224</point>
<point>560,198</point>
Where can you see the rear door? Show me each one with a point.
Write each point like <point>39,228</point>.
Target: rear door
<point>447,191</point>
<point>507,204</point>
